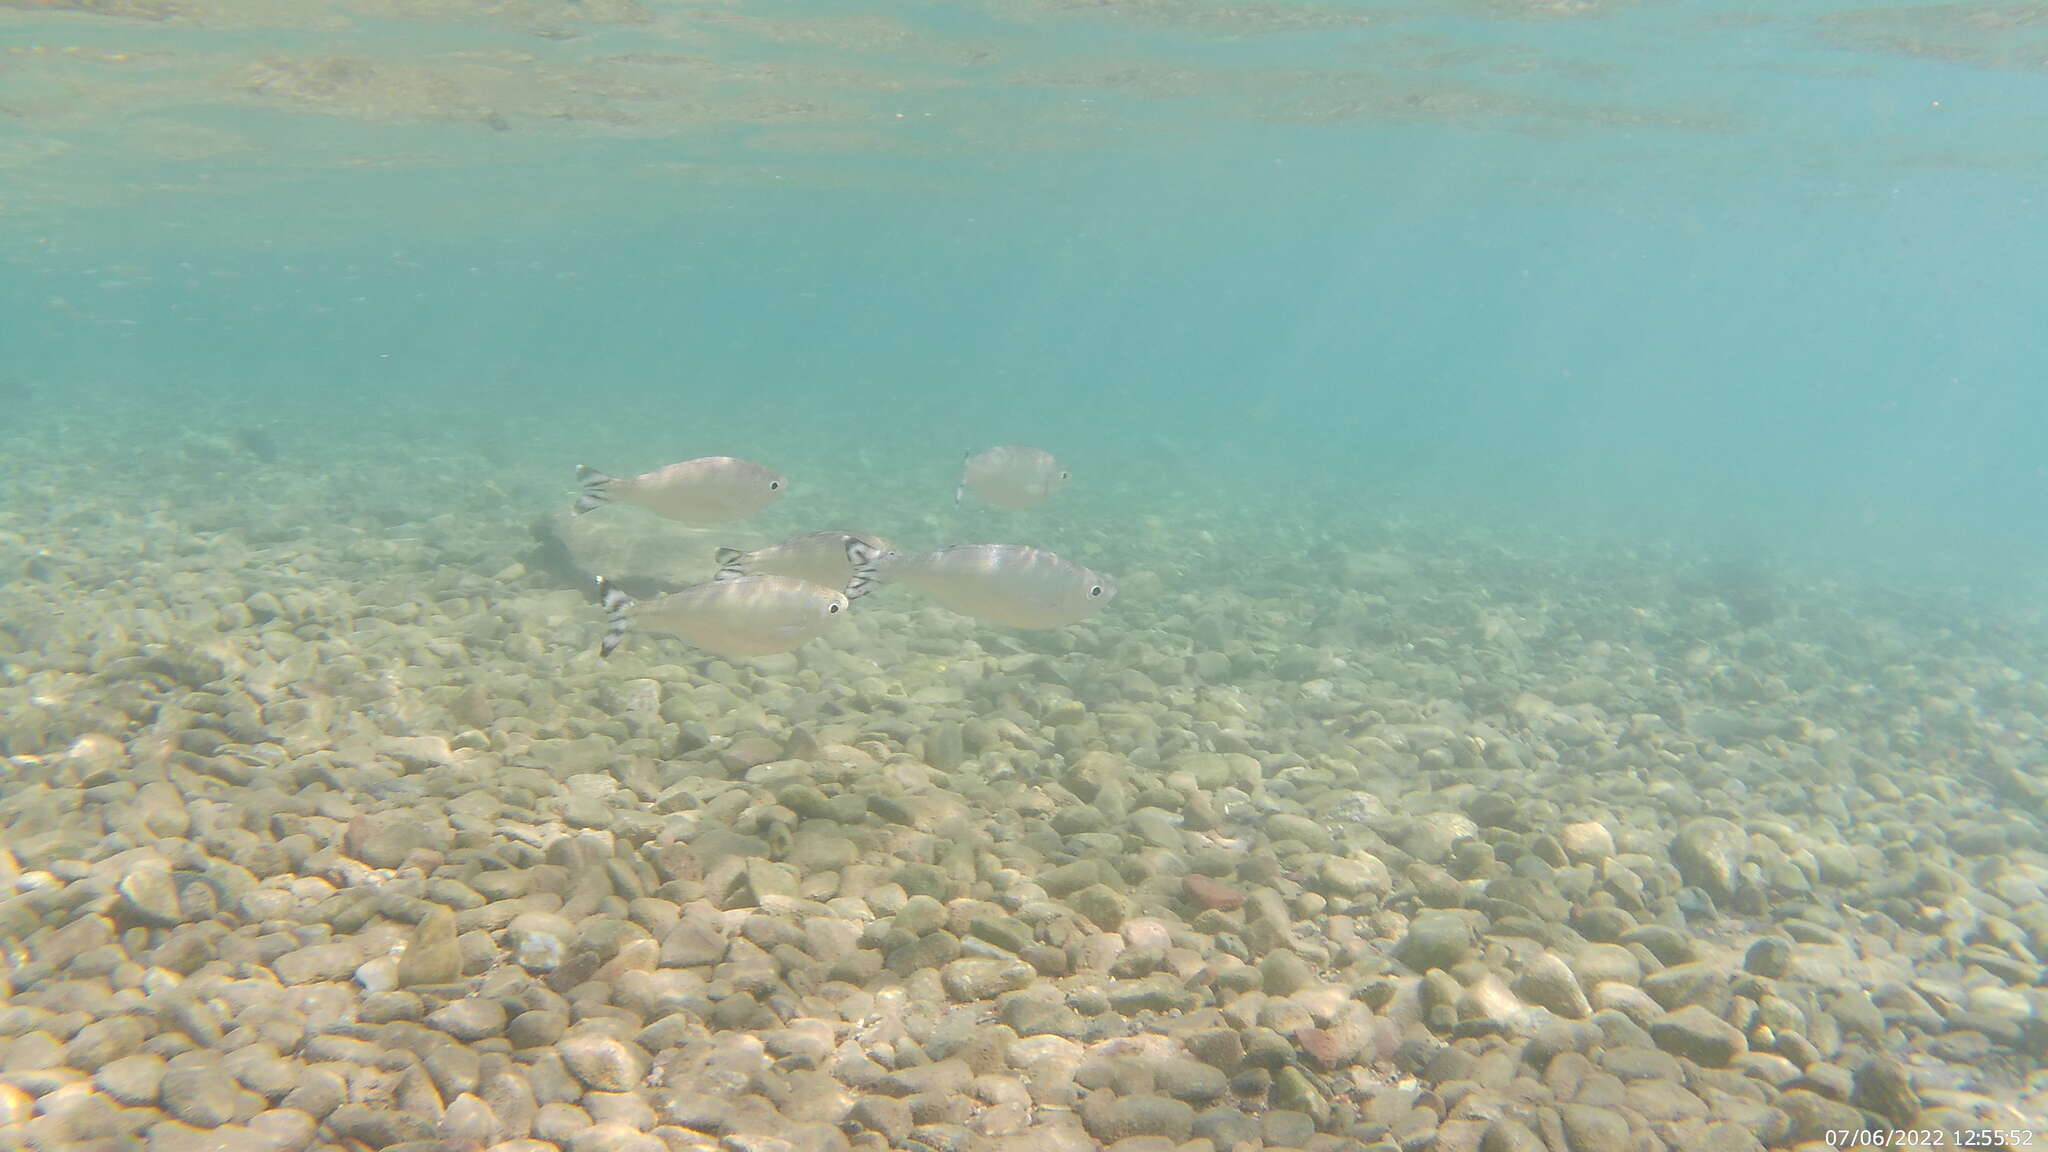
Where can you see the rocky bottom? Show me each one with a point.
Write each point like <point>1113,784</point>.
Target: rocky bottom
<point>372,852</point>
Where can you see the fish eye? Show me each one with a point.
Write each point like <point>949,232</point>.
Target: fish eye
<point>775,485</point>
<point>1095,591</point>
<point>832,611</point>
<point>1066,475</point>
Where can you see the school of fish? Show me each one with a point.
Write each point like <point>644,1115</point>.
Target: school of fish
<point>776,599</point>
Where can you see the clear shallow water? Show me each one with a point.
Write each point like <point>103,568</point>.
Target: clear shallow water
<point>1697,273</point>
<point>1560,413</point>
<point>1744,278</point>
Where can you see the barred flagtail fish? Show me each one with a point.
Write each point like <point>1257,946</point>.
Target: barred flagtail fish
<point>707,490</point>
<point>1011,584</point>
<point>747,616</point>
<point>1011,476</point>
<point>819,557</point>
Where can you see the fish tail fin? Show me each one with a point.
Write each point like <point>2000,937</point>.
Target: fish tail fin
<point>863,556</point>
<point>729,563</point>
<point>616,605</point>
<point>960,489</point>
<point>594,484</point>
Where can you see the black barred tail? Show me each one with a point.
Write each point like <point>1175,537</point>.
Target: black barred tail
<point>863,556</point>
<point>731,564</point>
<point>594,485</point>
<point>616,606</point>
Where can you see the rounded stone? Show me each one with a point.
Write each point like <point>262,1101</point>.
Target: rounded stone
<point>283,1128</point>
<point>1191,1080</point>
<point>1103,905</point>
<point>103,1041</point>
<point>1596,964</point>
<point>432,956</point>
<point>921,915</point>
<point>1353,876</point>
<point>468,1120</point>
<point>1709,852</point>
<point>1699,1036</point>
<point>969,980</point>
<point>603,1062</point>
<point>1770,957</point>
<point>1546,981</point>
<point>150,895</point>
<point>1587,842</point>
<point>1882,1085</point>
<point>133,1080</point>
<point>204,1097</point>
<point>539,940</point>
<point>1507,1135</point>
<point>1435,940</point>
<point>537,1028</point>
<point>470,1019</point>
<point>613,1137</point>
<point>1110,1119</point>
<point>1591,1129</point>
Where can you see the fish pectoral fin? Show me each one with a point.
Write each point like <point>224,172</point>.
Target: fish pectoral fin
<point>730,563</point>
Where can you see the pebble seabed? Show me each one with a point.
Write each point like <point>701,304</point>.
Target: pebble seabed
<point>342,838</point>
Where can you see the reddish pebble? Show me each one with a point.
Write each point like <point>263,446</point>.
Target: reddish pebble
<point>1320,1046</point>
<point>1211,893</point>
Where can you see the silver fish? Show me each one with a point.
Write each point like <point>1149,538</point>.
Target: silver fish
<point>819,557</point>
<point>747,616</point>
<point>707,490</point>
<point>1011,476</point>
<point>1011,584</point>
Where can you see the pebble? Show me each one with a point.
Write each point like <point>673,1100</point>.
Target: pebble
<point>1591,1129</point>
<point>611,1137</point>
<point>469,1019</point>
<point>1191,1080</point>
<point>1586,842</point>
<point>1103,905</point>
<point>1709,852</point>
<point>1435,940</point>
<point>1212,894</point>
<point>1284,973</point>
<point>1698,1035</point>
<point>921,915</point>
<point>887,1116</point>
<point>1770,956</point>
<point>1110,1119</point>
<point>601,1062</point>
<point>969,980</point>
<point>316,963</point>
<point>205,1097</point>
<point>133,1080</point>
<point>431,955</point>
<point>1507,1135</point>
<point>1548,982</point>
<point>104,1041</point>
<point>1883,1086</point>
<point>151,897</point>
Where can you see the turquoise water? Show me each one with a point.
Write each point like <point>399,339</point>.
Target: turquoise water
<point>1745,277</point>
<point>1574,474</point>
